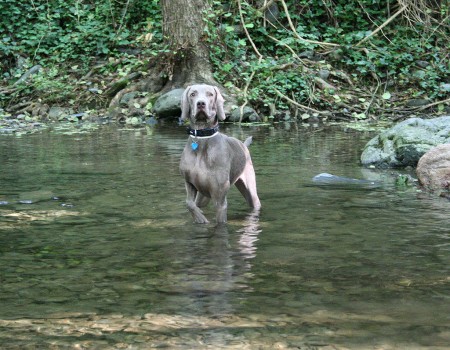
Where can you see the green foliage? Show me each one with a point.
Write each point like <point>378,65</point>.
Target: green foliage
<point>67,37</point>
<point>59,35</point>
<point>390,57</point>
<point>59,31</point>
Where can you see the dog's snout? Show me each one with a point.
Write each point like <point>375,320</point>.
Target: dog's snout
<point>201,104</point>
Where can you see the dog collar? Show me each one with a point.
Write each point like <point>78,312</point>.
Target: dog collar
<point>203,132</point>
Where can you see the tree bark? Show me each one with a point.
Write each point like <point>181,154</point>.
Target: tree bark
<point>184,32</point>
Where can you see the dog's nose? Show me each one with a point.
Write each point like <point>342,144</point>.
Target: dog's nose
<point>201,104</point>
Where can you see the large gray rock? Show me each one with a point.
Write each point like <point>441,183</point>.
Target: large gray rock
<point>404,144</point>
<point>433,169</point>
<point>250,115</point>
<point>169,104</point>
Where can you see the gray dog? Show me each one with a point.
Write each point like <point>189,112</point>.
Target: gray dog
<point>211,162</point>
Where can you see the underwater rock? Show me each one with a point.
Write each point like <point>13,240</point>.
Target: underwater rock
<point>333,180</point>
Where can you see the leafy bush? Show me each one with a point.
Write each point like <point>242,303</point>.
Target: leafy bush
<point>82,30</point>
<point>390,57</point>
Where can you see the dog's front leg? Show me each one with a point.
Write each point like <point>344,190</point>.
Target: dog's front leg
<point>220,201</point>
<point>221,211</point>
<point>196,212</point>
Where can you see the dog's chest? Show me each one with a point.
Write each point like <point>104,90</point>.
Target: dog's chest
<point>204,166</point>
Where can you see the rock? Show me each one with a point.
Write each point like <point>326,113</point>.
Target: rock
<point>327,179</point>
<point>422,64</point>
<point>126,98</point>
<point>169,104</point>
<point>58,113</point>
<point>433,169</point>
<point>250,115</point>
<point>404,144</point>
<point>272,13</point>
<point>417,102</point>
<point>324,74</point>
<point>445,87</point>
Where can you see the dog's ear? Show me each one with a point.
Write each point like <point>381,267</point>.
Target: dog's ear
<point>185,106</point>
<point>219,105</point>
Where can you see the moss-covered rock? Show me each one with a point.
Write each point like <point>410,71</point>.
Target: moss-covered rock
<point>404,144</point>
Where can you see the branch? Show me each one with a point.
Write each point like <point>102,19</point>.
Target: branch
<point>294,54</point>
<point>260,57</point>
<point>383,25</point>
<point>246,31</point>
<point>28,73</point>
<point>266,6</point>
<point>299,105</point>
<point>295,31</point>
<point>433,104</point>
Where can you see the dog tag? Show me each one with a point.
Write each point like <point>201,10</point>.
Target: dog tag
<point>194,145</point>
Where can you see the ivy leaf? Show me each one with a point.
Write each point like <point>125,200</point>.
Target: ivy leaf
<point>386,95</point>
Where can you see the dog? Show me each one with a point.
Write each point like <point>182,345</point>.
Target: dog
<point>211,161</point>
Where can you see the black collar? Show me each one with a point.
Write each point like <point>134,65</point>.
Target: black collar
<point>203,132</point>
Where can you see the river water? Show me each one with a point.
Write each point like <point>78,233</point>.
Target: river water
<point>97,249</point>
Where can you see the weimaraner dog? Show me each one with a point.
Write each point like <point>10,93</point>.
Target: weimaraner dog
<point>211,161</point>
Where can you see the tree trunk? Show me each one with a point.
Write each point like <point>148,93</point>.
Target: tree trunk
<point>184,32</point>
<point>188,60</point>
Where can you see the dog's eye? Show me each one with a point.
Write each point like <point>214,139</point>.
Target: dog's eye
<point>193,94</point>
<point>209,93</point>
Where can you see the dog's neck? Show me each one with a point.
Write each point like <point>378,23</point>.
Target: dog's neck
<point>205,132</point>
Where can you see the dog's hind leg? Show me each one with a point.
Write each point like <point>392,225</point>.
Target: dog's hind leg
<point>201,200</point>
<point>246,184</point>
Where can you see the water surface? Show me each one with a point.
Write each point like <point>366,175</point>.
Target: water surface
<point>97,249</point>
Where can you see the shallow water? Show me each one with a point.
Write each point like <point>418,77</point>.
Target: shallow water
<point>98,251</point>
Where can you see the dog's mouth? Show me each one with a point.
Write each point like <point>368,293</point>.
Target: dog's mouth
<point>201,114</point>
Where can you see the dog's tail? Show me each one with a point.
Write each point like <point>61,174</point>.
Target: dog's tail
<point>248,141</point>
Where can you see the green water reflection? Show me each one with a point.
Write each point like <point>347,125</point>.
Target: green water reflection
<point>97,249</point>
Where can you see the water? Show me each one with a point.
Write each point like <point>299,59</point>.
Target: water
<point>106,256</point>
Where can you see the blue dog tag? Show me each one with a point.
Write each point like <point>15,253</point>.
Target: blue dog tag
<point>194,145</point>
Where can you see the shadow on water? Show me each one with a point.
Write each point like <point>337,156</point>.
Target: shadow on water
<point>97,249</point>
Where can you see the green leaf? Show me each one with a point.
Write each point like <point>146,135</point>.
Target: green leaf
<point>386,95</point>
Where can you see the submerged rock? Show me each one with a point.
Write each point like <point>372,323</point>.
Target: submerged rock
<point>433,169</point>
<point>333,180</point>
<point>404,144</point>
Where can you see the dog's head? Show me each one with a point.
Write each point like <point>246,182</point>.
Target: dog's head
<point>202,104</point>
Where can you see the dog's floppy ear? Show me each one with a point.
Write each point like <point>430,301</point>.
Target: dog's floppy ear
<point>185,107</point>
<point>219,105</point>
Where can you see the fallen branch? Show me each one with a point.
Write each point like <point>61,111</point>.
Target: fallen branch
<point>114,87</point>
<point>19,106</point>
<point>433,104</point>
<point>366,112</point>
<point>323,84</point>
<point>389,20</point>
<point>300,105</point>
<point>27,74</point>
